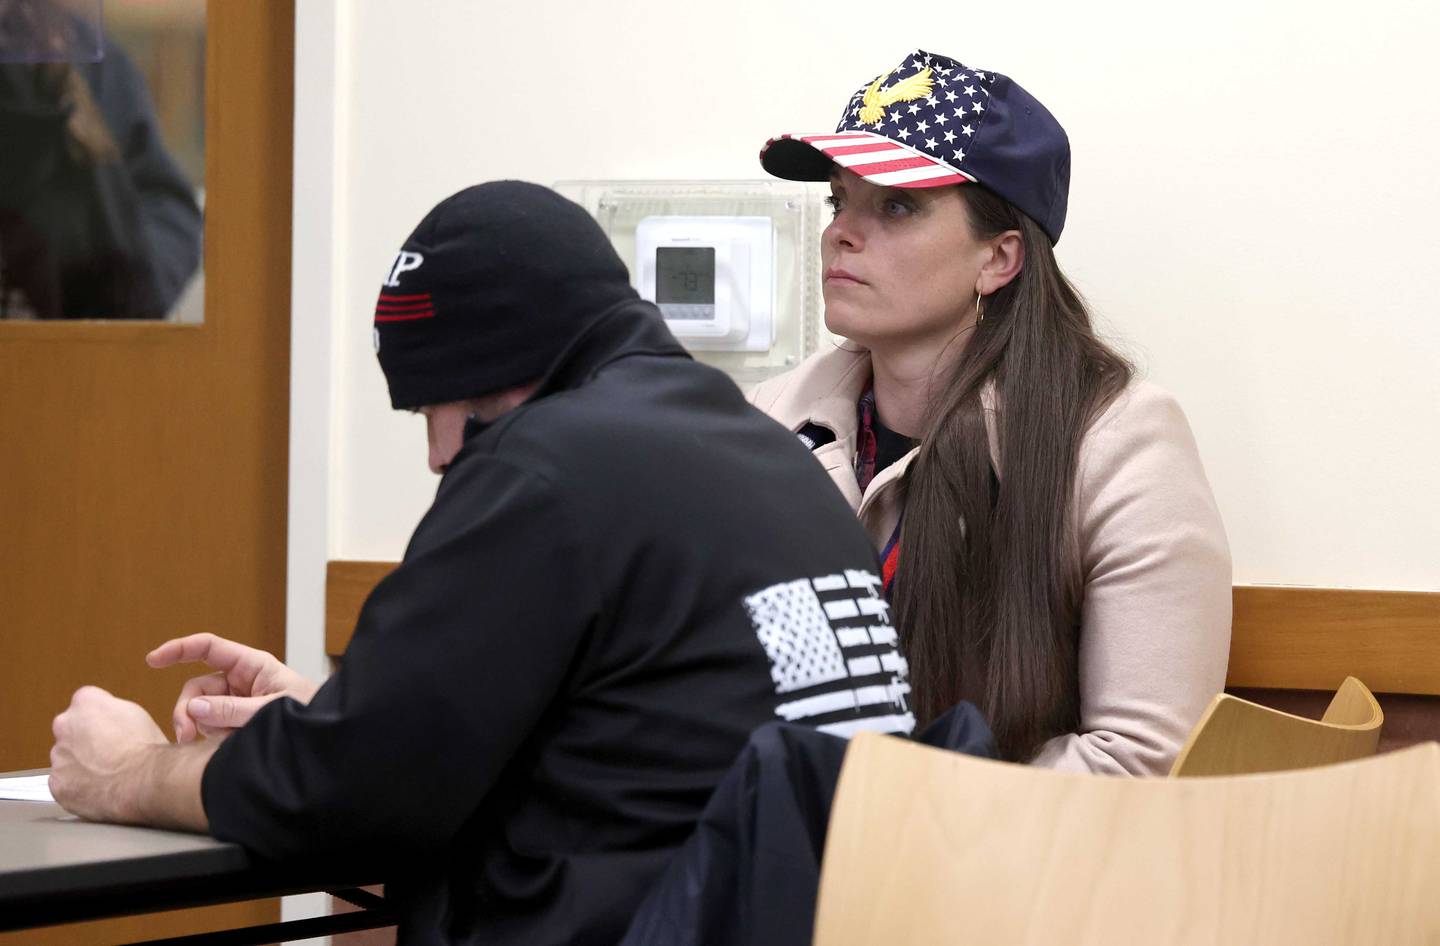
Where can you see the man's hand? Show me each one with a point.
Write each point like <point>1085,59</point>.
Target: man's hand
<point>101,746</point>
<point>244,680</point>
<point>111,762</point>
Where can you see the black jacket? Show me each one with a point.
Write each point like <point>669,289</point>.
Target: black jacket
<point>750,873</point>
<point>616,583</point>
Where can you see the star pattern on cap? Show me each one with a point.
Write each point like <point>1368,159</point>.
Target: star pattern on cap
<point>956,92</point>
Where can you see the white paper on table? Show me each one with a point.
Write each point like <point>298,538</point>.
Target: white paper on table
<point>26,788</point>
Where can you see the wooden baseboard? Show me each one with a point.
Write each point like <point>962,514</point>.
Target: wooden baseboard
<point>1283,638</point>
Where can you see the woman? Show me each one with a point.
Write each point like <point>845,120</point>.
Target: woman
<point>1048,539</point>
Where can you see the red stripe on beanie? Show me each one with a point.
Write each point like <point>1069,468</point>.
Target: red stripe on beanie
<point>409,317</point>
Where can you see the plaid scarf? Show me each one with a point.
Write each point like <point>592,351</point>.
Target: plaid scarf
<point>866,445</point>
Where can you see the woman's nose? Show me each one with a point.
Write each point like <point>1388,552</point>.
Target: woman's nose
<point>843,232</point>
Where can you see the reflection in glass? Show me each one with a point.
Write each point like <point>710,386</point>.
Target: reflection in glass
<point>101,159</point>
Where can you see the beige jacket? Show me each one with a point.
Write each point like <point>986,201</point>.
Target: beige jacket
<point>1155,621</point>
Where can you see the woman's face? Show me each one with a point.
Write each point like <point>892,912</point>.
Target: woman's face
<point>900,265</point>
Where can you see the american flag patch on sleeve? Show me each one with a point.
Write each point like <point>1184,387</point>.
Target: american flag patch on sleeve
<point>834,655</point>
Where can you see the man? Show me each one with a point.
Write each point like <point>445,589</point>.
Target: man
<point>625,570</point>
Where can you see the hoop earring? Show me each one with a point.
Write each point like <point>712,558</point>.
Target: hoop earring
<point>979,315</point>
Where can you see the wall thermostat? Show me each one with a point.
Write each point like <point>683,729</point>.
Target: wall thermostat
<point>713,278</point>
<point>733,266</point>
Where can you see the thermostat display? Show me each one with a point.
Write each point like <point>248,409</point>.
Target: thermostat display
<point>685,278</point>
<point>711,277</point>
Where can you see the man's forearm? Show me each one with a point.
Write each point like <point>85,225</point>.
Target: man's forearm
<point>163,791</point>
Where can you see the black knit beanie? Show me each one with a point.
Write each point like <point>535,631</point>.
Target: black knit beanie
<point>493,284</point>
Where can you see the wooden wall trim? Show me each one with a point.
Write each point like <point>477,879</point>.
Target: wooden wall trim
<point>347,585</point>
<point>1312,638</point>
<point>1283,638</point>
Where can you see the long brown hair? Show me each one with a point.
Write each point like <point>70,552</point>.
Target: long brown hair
<point>989,588</point>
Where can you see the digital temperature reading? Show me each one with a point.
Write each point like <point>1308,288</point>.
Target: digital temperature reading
<point>685,276</point>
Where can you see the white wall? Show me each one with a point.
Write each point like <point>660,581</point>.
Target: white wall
<point>1254,211</point>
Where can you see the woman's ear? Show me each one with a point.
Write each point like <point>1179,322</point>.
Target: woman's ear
<point>1007,258</point>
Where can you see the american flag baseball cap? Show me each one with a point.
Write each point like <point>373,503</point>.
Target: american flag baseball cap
<point>932,121</point>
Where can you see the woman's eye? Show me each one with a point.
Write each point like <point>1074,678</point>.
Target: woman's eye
<point>897,208</point>
<point>833,203</point>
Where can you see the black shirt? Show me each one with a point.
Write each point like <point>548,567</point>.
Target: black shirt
<point>889,445</point>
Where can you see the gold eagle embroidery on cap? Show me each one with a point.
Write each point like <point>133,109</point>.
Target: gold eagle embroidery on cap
<point>905,90</point>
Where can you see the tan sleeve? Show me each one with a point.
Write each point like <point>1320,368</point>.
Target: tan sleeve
<point>1155,624</point>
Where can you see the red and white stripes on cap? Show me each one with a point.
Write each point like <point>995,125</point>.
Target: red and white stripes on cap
<point>879,160</point>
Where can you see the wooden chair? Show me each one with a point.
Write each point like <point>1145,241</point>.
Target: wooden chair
<point>1237,736</point>
<point>934,847</point>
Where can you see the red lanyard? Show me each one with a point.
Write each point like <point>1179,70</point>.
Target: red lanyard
<point>890,557</point>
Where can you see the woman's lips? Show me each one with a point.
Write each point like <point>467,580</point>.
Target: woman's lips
<point>836,274</point>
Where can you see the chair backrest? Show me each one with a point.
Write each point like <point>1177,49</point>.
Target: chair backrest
<point>1236,737</point>
<point>928,846</point>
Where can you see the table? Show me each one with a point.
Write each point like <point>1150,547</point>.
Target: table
<point>55,868</point>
